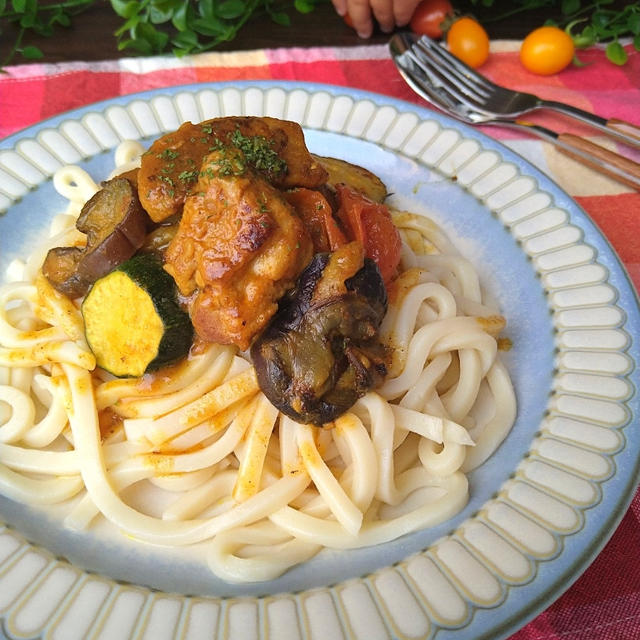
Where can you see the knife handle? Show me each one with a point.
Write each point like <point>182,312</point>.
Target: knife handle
<point>593,155</point>
<point>619,130</point>
<point>625,128</point>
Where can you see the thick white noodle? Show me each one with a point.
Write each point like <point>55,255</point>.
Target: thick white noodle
<point>198,454</point>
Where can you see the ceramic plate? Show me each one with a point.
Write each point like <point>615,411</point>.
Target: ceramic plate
<point>540,508</point>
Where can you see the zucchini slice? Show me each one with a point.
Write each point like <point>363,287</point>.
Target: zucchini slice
<point>133,322</point>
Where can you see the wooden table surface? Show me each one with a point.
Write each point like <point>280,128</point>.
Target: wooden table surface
<point>90,37</point>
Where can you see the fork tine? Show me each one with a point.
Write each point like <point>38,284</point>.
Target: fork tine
<point>442,52</point>
<point>442,82</point>
<point>452,85</point>
<point>421,75</point>
<point>473,91</point>
<point>470,76</point>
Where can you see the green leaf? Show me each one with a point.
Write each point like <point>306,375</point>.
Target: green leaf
<point>61,18</point>
<point>126,9</point>
<point>615,53</point>
<point>633,23</point>
<point>32,53</point>
<point>205,9</point>
<point>160,15</point>
<point>186,40</point>
<point>230,9</point>
<point>569,7</point>
<point>27,21</point>
<point>179,19</point>
<point>19,5</point>
<point>304,6</point>
<point>209,27</point>
<point>168,6</point>
<point>147,32</point>
<point>142,46</point>
<point>128,25</point>
<point>43,29</point>
<point>600,19</point>
<point>577,62</point>
<point>131,9</point>
<point>586,38</point>
<point>118,6</point>
<point>281,18</point>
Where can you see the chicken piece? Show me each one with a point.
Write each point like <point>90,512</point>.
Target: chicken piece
<point>274,148</point>
<point>238,248</point>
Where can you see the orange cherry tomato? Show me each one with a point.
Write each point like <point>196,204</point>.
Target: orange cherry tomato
<point>468,41</point>
<point>429,17</point>
<point>547,50</point>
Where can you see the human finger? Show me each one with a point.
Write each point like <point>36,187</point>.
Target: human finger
<point>403,11</point>
<point>340,6</point>
<point>383,12</point>
<point>360,13</point>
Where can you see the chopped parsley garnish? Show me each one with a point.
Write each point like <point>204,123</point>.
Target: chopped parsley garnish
<point>168,154</point>
<point>259,153</point>
<point>224,165</point>
<point>217,145</point>
<point>188,176</point>
<point>262,203</point>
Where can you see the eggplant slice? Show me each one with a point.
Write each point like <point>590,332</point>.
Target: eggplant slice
<point>60,268</point>
<point>115,225</point>
<point>321,353</point>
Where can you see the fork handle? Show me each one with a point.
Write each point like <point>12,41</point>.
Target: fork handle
<point>597,157</point>
<point>619,129</point>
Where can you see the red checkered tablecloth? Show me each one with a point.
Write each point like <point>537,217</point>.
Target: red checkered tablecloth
<point>604,603</point>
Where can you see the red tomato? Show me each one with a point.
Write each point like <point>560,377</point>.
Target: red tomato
<point>429,17</point>
<point>468,41</point>
<point>371,224</point>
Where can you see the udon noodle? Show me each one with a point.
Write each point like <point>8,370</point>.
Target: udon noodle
<point>262,491</point>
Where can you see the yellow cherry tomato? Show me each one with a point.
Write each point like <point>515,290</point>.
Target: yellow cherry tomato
<point>547,50</point>
<point>468,41</point>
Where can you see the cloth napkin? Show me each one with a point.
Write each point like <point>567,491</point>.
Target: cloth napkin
<point>604,603</point>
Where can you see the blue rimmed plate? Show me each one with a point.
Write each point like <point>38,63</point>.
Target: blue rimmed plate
<point>540,508</point>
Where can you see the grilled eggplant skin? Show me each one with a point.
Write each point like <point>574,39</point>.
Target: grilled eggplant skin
<point>115,225</point>
<point>318,356</point>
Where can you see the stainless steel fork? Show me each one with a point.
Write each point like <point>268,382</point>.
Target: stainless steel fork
<point>499,102</point>
<point>430,76</point>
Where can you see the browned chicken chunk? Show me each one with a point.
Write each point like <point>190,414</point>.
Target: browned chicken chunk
<point>238,248</point>
<point>273,148</point>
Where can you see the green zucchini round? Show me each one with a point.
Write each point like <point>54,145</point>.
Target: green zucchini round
<point>133,321</point>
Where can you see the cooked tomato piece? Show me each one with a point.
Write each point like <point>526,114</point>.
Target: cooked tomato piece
<point>316,214</point>
<point>371,224</point>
